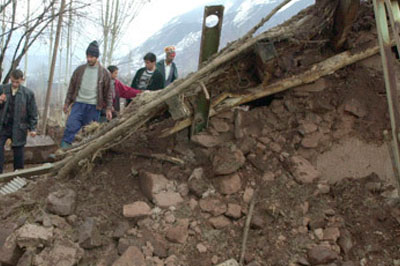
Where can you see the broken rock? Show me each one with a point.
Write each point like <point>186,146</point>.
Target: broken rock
<point>179,233</point>
<point>197,183</point>
<point>227,161</point>
<point>136,209</point>
<point>321,255</point>
<point>131,257</point>
<point>62,202</point>
<point>9,251</point>
<point>63,252</point>
<point>32,235</point>
<point>229,184</point>
<point>206,140</point>
<point>213,206</point>
<point>167,199</point>
<point>89,236</point>
<point>354,107</point>
<point>303,170</point>
<point>219,222</point>
<point>151,184</point>
<point>234,211</point>
<point>219,125</point>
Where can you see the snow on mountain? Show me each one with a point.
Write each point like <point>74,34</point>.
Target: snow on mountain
<point>184,32</point>
<point>245,8</point>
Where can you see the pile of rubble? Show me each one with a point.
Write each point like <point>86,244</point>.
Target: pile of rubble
<point>149,212</point>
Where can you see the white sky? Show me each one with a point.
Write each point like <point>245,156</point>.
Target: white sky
<point>154,16</point>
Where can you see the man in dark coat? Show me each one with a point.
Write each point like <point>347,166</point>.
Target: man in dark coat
<point>167,67</point>
<point>88,93</point>
<point>18,115</point>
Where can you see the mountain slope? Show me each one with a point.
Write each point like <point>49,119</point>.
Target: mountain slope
<point>185,32</point>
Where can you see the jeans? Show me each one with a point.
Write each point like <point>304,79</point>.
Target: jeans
<point>81,115</point>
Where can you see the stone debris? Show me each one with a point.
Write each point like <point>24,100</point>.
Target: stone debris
<point>136,209</point>
<point>32,235</point>
<point>62,202</point>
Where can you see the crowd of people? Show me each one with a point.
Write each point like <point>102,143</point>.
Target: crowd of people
<point>93,94</point>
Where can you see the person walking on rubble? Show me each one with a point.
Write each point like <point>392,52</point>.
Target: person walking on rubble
<point>88,93</point>
<point>167,66</point>
<point>18,115</point>
<point>119,90</point>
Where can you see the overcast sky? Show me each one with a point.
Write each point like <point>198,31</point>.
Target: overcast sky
<point>154,16</point>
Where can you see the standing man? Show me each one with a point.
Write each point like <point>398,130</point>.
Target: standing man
<point>89,92</point>
<point>167,67</point>
<point>18,115</point>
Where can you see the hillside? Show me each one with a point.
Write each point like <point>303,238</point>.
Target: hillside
<point>185,32</point>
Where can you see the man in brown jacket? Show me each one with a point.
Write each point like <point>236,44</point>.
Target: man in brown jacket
<point>89,91</point>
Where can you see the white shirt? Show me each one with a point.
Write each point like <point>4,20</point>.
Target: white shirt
<point>167,69</point>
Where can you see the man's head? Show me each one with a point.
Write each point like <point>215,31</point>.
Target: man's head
<point>150,61</point>
<point>114,71</point>
<point>169,53</point>
<point>92,53</point>
<point>17,77</point>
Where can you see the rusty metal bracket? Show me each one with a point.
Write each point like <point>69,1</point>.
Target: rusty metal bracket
<point>202,111</point>
<point>210,36</point>
<point>388,61</point>
<point>209,45</point>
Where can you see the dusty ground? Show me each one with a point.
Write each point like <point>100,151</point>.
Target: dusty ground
<point>314,157</point>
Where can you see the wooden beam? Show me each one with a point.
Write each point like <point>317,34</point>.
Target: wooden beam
<point>38,170</point>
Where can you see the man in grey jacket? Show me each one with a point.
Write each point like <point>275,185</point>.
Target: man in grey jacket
<point>88,93</point>
<point>18,115</point>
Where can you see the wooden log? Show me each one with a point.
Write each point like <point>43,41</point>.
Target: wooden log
<point>317,71</point>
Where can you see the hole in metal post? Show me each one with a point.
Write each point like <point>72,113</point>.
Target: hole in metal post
<point>212,21</point>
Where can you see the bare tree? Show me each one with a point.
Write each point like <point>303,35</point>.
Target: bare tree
<point>115,18</point>
<point>28,12</point>
<point>53,65</point>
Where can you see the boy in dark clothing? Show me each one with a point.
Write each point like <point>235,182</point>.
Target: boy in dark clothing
<point>18,115</point>
<point>148,77</point>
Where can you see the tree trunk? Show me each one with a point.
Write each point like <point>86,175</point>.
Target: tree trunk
<point>53,65</point>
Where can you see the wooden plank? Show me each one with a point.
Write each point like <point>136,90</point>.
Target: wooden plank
<point>39,170</point>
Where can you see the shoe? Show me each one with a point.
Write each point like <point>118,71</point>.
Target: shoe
<point>65,145</point>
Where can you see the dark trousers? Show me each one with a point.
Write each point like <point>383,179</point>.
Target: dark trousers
<point>17,151</point>
<point>81,115</point>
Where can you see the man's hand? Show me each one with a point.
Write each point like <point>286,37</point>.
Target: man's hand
<point>109,114</point>
<point>3,98</point>
<point>33,133</point>
<point>65,109</point>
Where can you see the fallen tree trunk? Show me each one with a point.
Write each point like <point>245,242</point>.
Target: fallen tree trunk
<point>149,103</point>
<point>317,71</point>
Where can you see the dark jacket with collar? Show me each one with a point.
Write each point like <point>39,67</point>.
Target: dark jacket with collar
<point>156,81</point>
<point>25,113</point>
<point>173,75</point>
<point>104,92</point>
